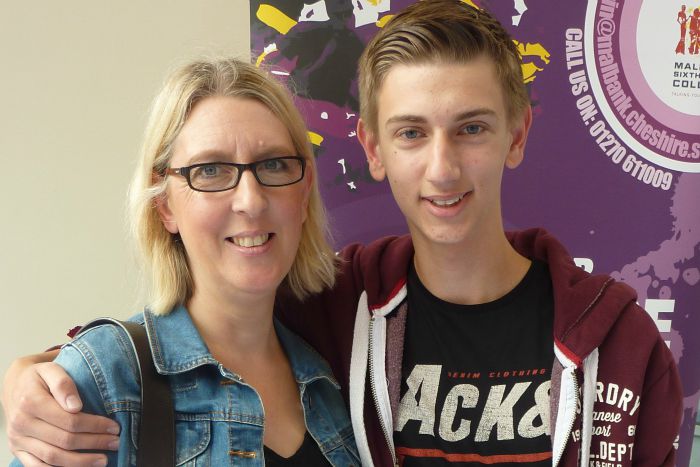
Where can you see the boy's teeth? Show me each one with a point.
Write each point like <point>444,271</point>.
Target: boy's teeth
<point>447,202</point>
<point>248,242</point>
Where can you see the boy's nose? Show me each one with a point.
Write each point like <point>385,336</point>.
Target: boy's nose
<point>443,164</point>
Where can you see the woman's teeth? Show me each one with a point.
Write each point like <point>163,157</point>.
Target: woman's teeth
<point>249,242</point>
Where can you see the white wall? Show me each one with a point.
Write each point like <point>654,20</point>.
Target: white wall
<point>76,79</point>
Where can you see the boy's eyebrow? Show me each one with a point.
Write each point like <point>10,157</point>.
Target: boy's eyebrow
<point>405,118</point>
<point>482,111</point>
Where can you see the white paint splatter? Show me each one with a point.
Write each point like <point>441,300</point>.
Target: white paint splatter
<point>366,13</point>
<point>314,12</point>
<point>521,8</point>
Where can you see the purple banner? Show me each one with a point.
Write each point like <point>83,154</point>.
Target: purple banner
<point>612,165</point>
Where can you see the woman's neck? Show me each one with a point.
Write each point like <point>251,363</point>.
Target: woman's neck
<point>235,329</point>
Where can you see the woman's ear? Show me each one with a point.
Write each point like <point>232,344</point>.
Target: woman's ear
<point>165,214</point>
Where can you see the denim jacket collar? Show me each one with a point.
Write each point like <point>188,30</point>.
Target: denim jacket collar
<point>177,347</point>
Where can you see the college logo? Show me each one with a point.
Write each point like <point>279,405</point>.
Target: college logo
<point>693,43</point>
<point>645,80</point>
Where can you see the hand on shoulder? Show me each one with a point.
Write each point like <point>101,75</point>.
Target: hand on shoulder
<point>44,424</point>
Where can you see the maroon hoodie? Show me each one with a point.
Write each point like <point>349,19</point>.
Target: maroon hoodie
<point>615,398</point>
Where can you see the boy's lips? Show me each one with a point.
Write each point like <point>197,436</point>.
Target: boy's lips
<point>445,201</point>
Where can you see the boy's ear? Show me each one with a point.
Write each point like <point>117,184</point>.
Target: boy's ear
<point>165,214</point>
<point>370,144</point>
<point>519,132</point>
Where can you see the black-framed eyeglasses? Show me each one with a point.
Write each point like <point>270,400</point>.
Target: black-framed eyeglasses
<point>222,176</point>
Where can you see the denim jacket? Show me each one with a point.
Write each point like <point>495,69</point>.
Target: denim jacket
<point>219,418</point>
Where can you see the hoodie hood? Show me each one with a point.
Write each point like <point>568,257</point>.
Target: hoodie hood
<point>578,330</point>
<point>599,300</point>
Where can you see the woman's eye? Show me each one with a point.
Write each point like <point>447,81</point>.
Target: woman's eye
<point>273,164</point>
<point>210,170</point>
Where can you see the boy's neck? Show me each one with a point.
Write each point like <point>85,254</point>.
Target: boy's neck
<point>471,273</point>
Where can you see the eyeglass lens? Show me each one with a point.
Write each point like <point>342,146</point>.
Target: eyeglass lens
<point>270,172</point>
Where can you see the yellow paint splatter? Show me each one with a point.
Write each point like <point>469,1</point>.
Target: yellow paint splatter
<point>529,68</point>
<point>315,138</point>
<point>266,51</point>
<point>529,72</point>
<point>275,18</point>
<point>383,20</point>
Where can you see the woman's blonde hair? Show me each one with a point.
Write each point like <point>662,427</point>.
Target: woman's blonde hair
<point>164,255</point>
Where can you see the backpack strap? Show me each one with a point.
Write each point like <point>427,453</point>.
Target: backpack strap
<point>156,443</point>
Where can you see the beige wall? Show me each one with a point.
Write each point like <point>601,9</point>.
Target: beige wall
<point>76,81</point>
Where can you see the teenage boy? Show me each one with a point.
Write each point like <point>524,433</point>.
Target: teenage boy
<point>459,343</point>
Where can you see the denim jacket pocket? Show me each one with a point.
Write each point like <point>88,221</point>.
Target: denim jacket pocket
<point>192,438</point>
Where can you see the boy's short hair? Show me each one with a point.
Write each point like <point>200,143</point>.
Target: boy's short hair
<point>435,31</point>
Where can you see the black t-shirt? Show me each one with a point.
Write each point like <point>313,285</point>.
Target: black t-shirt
<point>308,455</point>
<point>475,378</point>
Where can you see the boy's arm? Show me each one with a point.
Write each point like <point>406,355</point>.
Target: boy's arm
<point>43,420</point>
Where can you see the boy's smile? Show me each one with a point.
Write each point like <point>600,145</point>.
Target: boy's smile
<point>442,140</point>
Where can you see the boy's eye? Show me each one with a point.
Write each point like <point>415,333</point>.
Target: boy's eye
<point>410,134</point>
<point>472,129</point>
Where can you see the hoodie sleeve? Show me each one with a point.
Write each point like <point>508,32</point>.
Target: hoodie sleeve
<point>660,411</point>
<point>326,320</point>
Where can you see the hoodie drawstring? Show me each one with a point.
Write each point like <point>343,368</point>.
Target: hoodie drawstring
<point>590,377</point>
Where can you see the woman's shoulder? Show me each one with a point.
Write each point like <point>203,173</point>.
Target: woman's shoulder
<point>106,341</point>
<point>101,359</point>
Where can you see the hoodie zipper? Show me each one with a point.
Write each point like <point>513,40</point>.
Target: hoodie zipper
<point>571,426</point>
<point>373,389</point>
<point>565,335</point>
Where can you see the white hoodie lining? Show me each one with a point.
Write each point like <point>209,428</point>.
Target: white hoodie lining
<point>590,377</point>
<point>567,406</point>
<point>358,373</point>
<point>379,361</point>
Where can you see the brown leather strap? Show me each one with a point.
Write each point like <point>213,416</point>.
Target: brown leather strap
<point>156,445</point>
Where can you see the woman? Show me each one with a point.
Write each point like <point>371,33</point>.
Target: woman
<point>682,19</point>
<point>225,211</point>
